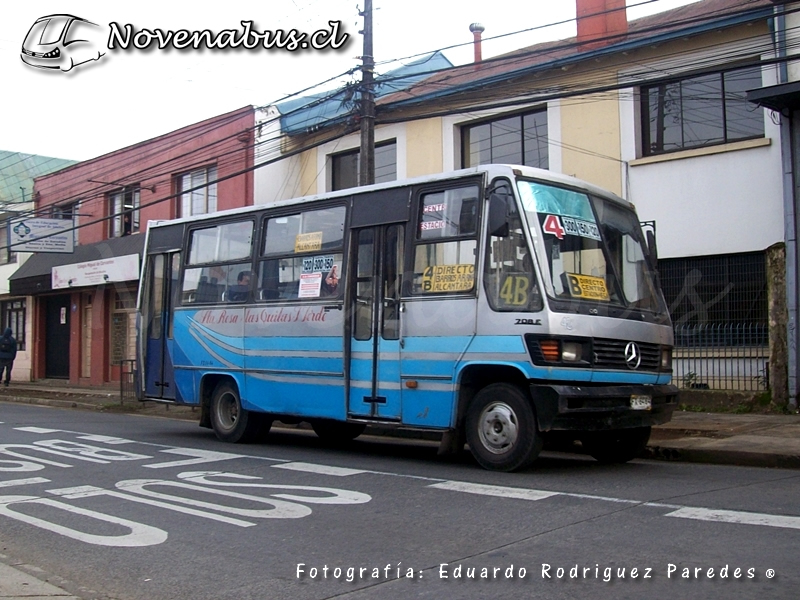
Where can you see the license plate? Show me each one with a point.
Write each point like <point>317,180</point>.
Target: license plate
<point>641,402</point>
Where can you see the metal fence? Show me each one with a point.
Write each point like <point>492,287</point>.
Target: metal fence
<point>127,380</point>
<point>730,356</point>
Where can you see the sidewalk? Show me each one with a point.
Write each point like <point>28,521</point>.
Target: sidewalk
<point>17,585</point>
<point>760,440</point>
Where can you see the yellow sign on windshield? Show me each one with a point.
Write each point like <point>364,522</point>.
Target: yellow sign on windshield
<point>448,278</point>
<point>587,286</point>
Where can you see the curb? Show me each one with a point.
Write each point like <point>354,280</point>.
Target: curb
<point>55,402</point>
<point>722,457</point>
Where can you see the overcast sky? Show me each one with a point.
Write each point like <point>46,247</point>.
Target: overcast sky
<point>128,97</point>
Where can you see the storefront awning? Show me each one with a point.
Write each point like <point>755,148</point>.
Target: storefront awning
<point>35,275</point>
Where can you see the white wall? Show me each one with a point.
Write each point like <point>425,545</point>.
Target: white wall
<point>713,204</point>
<point>279,180</point>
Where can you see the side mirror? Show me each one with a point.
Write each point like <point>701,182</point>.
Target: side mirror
<point>498,215</point>
<point>651,244</point>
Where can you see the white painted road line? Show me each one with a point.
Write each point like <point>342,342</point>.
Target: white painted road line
<point>198,457</point>
<point>37,430</point>
<point>319,469</point>
<point>494,490</point>
<point>28,481</point>
<point>735,516</point>
<point>105,439</point>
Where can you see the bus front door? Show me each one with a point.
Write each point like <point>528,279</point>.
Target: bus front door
<point>159,376</point>
<point>375,341</point>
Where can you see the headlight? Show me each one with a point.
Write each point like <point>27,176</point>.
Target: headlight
<point>52,54</point>
<point>571,351</point>
<point>558,351</point>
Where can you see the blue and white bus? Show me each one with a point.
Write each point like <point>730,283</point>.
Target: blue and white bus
<point>498,305</point>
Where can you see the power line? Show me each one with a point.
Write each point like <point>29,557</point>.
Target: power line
<point>339,134</point>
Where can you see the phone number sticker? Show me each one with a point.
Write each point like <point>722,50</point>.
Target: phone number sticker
<point>316,264</point>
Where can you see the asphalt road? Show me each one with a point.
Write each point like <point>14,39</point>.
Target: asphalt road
<point>131,507</point>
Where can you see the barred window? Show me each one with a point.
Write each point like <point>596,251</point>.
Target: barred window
<point>123,328</point>
<point>710,290</point>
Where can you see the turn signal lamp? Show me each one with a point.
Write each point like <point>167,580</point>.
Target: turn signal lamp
<point>550,350</point>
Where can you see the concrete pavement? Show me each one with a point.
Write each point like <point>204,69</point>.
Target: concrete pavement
<point>762,440</point>
<point>751,439</point>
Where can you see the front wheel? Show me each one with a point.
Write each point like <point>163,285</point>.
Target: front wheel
<point>231,422</point>
<point>617,446</point>
<point>501,428</point>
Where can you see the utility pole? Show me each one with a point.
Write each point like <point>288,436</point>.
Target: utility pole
<point>367,154</point>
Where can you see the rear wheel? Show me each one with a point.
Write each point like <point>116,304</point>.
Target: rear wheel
<point>501,428</point>
<point>231,422</point>
<point>617,446</point>
<point>337,432</point>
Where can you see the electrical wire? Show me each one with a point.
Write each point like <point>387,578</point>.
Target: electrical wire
<point>273,144</point>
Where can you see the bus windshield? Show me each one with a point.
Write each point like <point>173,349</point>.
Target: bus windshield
<point>593,248</point>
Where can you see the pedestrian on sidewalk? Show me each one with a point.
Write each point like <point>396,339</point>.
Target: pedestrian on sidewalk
<point>8,352</point>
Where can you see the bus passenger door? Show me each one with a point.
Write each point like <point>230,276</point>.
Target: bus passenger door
<point>159,377</point>
<point>375,343</point>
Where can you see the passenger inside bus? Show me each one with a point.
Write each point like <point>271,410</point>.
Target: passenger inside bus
<point>330,283</point>
<point>240,291</point>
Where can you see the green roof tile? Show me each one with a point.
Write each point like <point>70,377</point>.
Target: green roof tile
<point>17,170</point>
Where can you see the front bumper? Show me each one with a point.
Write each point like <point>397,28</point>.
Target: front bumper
<point>598,408</point>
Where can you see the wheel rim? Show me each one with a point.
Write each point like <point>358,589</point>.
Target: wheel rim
<point>227,411</point>
<point>497,428</point>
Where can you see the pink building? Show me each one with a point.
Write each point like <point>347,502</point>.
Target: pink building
<point>80,321</point>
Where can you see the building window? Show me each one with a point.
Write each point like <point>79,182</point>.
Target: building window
<point>68,212</point>
<point>700,111</point>
<point>516,140</point>
<point>346,171</point>
<point>6,256</point>
<point>202,200</point>
<point>123,328</point>
<point>124,211</point>
<point>12,314</point>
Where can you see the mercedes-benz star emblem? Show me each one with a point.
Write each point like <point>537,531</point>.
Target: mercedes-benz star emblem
<point>632,357</point>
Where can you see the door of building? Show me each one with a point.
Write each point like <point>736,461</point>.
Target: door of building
<point>56,344</point>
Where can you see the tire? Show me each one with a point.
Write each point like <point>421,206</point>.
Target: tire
<point>232,423</point>
<point>501,428</point>
<point>337,432</point>
<point>617,446</point>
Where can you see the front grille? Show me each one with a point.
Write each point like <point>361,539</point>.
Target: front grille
<point>610,354</point>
